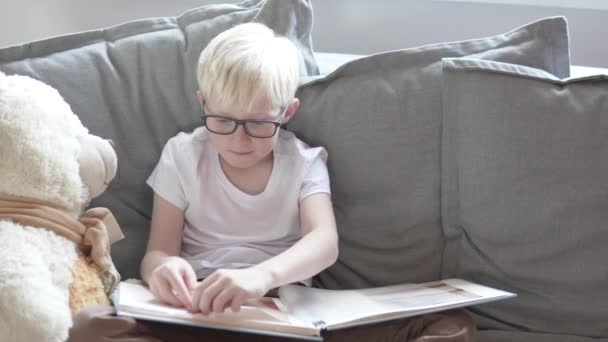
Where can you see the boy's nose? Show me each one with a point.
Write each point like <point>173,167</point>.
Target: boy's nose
<point>240,135</point>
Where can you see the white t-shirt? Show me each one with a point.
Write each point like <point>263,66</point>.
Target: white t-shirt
<point>225,227</point>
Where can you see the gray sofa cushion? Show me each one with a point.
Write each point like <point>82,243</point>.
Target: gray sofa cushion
<point>525,194</point>
<point>380,119</point>
<point>135,83</point>
<point>330,61</point>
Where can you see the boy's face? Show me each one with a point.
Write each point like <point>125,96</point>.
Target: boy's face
<point>239,149</point>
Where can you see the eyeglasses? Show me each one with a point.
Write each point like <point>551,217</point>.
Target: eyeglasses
<point>224,125</point>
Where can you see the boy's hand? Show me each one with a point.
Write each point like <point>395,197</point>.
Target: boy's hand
<point>173,282</point>
<point>229,288</point>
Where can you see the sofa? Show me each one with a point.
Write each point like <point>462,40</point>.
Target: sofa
<point>483,159</point>
<point>504,332</point>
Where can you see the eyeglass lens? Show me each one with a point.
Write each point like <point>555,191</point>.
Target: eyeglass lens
<point>258,129</point>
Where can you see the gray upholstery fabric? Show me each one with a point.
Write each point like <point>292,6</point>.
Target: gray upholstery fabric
<point>380,119</point>
<point>135,83</point>
<point>525,194</point>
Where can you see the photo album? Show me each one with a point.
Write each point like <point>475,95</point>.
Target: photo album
<point>304,312</point>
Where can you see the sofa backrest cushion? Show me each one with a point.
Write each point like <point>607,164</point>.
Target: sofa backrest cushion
<point>135,83</point>
<point>380,119</point>
<point>525,193</point>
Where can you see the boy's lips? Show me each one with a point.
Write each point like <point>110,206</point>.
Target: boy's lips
<point>241,153</point>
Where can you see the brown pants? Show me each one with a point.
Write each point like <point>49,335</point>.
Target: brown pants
<point>100,324</point>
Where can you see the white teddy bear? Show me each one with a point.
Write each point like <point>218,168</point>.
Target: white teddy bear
<point>53,261</point>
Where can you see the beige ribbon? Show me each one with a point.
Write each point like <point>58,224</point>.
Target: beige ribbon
<point>89,231</point>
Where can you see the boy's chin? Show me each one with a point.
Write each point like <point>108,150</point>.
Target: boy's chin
<point>241,161</point>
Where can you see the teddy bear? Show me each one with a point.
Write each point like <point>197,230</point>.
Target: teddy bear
<point>54,255</point>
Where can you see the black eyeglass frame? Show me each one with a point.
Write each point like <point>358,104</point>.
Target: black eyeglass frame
<point>277,123</point>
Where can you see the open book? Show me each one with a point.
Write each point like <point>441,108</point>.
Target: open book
<point>305,312</point>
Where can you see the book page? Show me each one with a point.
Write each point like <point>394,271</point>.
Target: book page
<point>265,314</point>
<point>338,307</point>
<point>327,307</point>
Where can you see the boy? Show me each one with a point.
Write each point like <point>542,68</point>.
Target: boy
<point>239,203</point>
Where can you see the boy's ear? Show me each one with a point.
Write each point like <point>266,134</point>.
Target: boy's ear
<point>291,110</point>
<point>199,97</point>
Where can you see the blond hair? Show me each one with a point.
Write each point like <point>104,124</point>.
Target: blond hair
<point>246,63</point>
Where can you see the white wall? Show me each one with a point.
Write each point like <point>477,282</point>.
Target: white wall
<point>26,20</point>
<point>365,26</point>
<point>350,26</point>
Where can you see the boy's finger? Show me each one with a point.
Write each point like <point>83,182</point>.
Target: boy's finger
<point>196,297</point>
<point>209,280</point>
<point>237,302</point>
<point>208,295</point>
<point>165,293</point>
<point>189,278</point>
<point>180,290</point>
<point>220,301</point>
